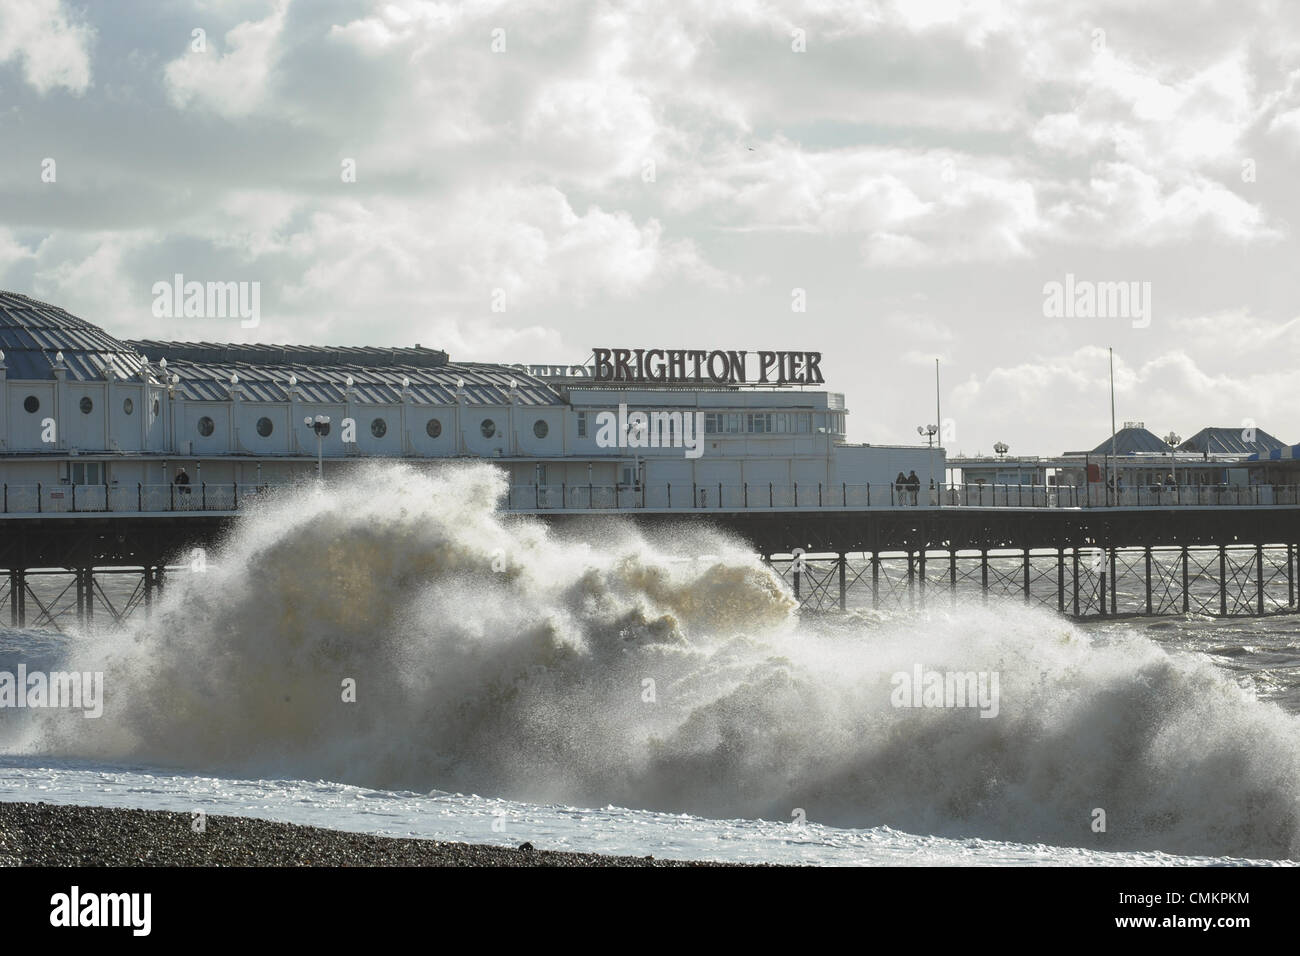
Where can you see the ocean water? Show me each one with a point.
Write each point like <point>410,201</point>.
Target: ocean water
<point>394,656</point>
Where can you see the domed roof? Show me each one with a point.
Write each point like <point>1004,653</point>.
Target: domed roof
<point>32,333</point>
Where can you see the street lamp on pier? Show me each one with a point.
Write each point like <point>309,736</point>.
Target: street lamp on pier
<point>1173,440</point>
<point>321,426</point>
<point>929,431</point>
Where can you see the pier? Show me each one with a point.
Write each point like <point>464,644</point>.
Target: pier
<point>1215,551</point>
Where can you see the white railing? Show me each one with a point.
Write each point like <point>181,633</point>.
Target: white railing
<point>59,498</point>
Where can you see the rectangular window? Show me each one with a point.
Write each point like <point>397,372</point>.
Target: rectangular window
<point>710,423</point>
<point>582,424</point>
<point>85,473</point>
<point>802,419</point>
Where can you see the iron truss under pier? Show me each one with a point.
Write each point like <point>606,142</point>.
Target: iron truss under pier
<point>1081,562</point>
<point>1085,562</point>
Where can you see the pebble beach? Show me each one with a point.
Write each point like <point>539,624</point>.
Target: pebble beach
<point>41,834</point>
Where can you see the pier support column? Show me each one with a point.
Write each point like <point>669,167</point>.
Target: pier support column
<point>1259,580</point>
<point>1223,580</point>
<point>875,579</point>
<point>911,579</point>
<point>1026,574</point>
<point>952,576</point>
<point>984,572</point>
<point>1187,594</point>
<point>795,575</point>
<point>88,575</point>
<point>1148,574</point>
<point>1290,577</point>
<point>1076,580</point>
<point>1114,585</point>
<point>80,583</point>
<point>1060,580</point>
<point>844,561</point>
<point>920,557</point>
<point>1101,587</point>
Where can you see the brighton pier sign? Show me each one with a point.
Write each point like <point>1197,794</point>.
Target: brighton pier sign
<point>681,366</point>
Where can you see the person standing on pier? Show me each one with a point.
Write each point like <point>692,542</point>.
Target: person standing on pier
<point>900,486</point>
<point>914,486</point>
<point>182,481</point>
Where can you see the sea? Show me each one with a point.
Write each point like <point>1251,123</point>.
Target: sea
<point>394,655</point>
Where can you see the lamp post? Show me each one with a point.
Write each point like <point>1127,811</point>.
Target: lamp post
<point>321,426</point>
<point>1173,440</point>
<point>1000,449</point>
<point>929,431</point>
<point>640,430</point>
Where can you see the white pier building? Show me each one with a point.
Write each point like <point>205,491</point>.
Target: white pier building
<point>91,422</point>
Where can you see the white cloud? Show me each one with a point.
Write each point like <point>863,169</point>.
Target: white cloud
<point>84,277</point>
<point>1039,402</point>
<point>234,83</point>
<point>12,252</point>
<point>920,170</point>
<point>53,45</point>
<point>1121,204</point>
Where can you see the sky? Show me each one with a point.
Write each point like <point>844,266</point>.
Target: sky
<point>886,183</point>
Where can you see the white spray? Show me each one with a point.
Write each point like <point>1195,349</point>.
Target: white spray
<point>488,655</point>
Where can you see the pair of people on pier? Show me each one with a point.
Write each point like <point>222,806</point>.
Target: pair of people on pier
<point>908,487</point>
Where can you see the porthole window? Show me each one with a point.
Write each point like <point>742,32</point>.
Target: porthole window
<point>264,427</point>
<point>540,428</point>
<point>206,426</point>
<point>86,405</point>
<point>488,428</point>
<point>128,406</point>
<point>156,408</point>
<point>434,428</point>
<point>31,403</point>
<point>379,428</point>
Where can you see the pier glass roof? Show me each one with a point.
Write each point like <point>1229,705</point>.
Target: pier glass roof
<point>476,383</point>
<point>33,335</point>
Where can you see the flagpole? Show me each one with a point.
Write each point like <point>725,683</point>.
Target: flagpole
<point>938,413</point>
<point>1111,352</point>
